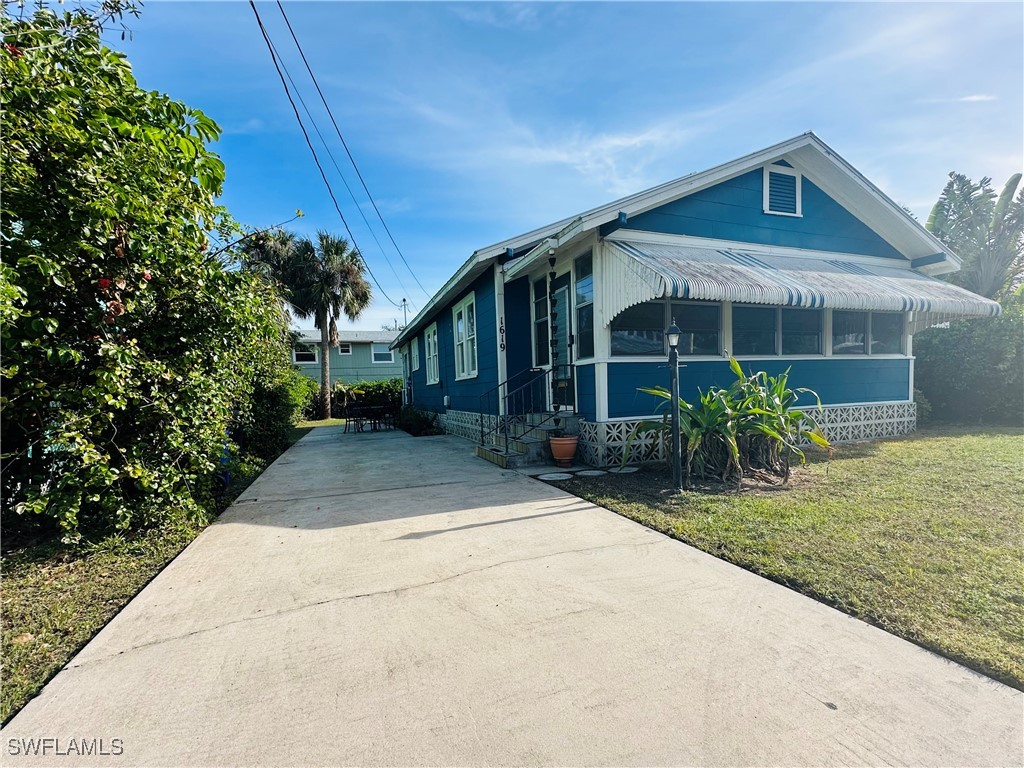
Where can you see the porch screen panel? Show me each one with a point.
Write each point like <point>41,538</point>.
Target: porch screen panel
<point>640,330</point>
<point>700,325</point>
<point>801,331</point>
<point>753,331</point>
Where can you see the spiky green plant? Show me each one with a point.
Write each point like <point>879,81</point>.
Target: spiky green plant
<point>751,427</point>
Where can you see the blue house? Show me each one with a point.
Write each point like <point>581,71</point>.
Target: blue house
<point>787,257</point>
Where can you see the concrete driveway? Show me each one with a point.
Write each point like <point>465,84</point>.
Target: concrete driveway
<point>382,600</point>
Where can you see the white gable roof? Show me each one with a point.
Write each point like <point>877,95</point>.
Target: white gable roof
<point>806,153</point>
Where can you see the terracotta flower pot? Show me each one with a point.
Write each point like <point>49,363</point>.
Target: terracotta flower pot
<point>563,449</point>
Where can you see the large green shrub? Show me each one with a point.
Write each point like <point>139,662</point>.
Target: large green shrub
<point>127,346</point>
<point>276,406</point>
<point>380,394</point>
<point>973,370</point>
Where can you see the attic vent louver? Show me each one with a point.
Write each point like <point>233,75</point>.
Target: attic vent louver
<point>781,191</point>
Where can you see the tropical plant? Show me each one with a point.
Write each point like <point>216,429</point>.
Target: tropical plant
<point>986,231</point>
<point>322,278</point>
<point>972,371</point>
<point>128,348</point>
<point>750,428</point>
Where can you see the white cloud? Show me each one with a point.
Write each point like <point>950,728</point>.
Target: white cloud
<point>972,99</point>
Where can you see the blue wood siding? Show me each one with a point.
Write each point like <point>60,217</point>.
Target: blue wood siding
<point>586,392</point>
<point>837,381</point>
<point>464,394</point>
<point>733,210</point>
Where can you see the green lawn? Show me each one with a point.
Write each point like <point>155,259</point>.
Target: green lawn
<point>322,423</point>
<point>921,536</point>
<point>54,599</point>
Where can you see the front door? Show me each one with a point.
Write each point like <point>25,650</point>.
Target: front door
<point>563,395</point>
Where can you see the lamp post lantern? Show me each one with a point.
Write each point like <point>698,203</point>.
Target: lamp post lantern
<point>673,333</point>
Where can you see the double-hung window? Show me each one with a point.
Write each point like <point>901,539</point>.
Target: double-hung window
<point>414,352</point>
<point>585,306</point>
<point>430,349</point>
<point>381,354</point>
<point>305,355</point>
<point>464,327</point>
<point>541,345</point>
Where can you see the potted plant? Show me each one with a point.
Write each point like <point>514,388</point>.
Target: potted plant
<point>563,447</point>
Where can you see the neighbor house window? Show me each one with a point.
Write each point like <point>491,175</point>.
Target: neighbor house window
<point>464,329</point>
<point>430,348</point>
<point>782,191</point>
<point>585,306</point>
<point>381,354</point>
<point>541,347</point>
<point>801,331</point>
<point>344,348</point>
<point>414,350</point>
<point>754,331</point>
<point>304,355</point>
<point>700,325</point>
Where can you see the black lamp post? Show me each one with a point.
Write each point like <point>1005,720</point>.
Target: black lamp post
<point>673,333</point>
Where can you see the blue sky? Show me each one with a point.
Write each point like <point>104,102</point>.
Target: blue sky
<point>473,122</point>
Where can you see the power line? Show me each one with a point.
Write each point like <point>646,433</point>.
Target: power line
<point>345,145</point>
<point>323,175</point>
<point>330,154</point>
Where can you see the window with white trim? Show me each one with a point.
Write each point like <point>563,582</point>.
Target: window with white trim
<point>761,331</point>
<point>304,354</point>
<point>430,348</point>
<point>782,191</point>
<point>381,353</point>
<point>464,331</point>
<point>867,333</point>
<point>344,348</point>
<point>414,350</point>
<point>640,330</point>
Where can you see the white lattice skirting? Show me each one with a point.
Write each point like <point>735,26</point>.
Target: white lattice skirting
<point>603,444</point>
<point>466,423</point>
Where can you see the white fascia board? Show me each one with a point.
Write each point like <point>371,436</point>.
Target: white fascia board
<point>930,244</point>
<point>456,282</point>
<point>634,235</point>
<point>636,204</point>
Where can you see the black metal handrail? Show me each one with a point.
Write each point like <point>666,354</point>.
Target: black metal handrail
<point>529,397</point>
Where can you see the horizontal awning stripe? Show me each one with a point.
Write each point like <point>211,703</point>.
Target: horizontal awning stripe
<point>816,280</point>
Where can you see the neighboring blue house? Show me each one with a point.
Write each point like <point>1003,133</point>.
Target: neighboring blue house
<point>359,356</point>
<point>787,257</point>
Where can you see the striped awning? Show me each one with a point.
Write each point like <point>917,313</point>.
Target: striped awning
<point>638,271</point>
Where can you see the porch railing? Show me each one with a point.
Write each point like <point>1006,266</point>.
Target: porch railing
<point>540,390</point>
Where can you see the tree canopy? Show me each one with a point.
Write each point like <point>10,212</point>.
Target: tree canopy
<point>985,230</point>
<point>128,348</point>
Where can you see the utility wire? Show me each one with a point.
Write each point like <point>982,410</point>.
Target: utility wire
<point>330,154</point>
<point>323,175</point>
<point>345,145</point>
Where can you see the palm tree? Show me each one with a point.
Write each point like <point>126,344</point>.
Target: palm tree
<point>985,231</point>
<point>325,281</point>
